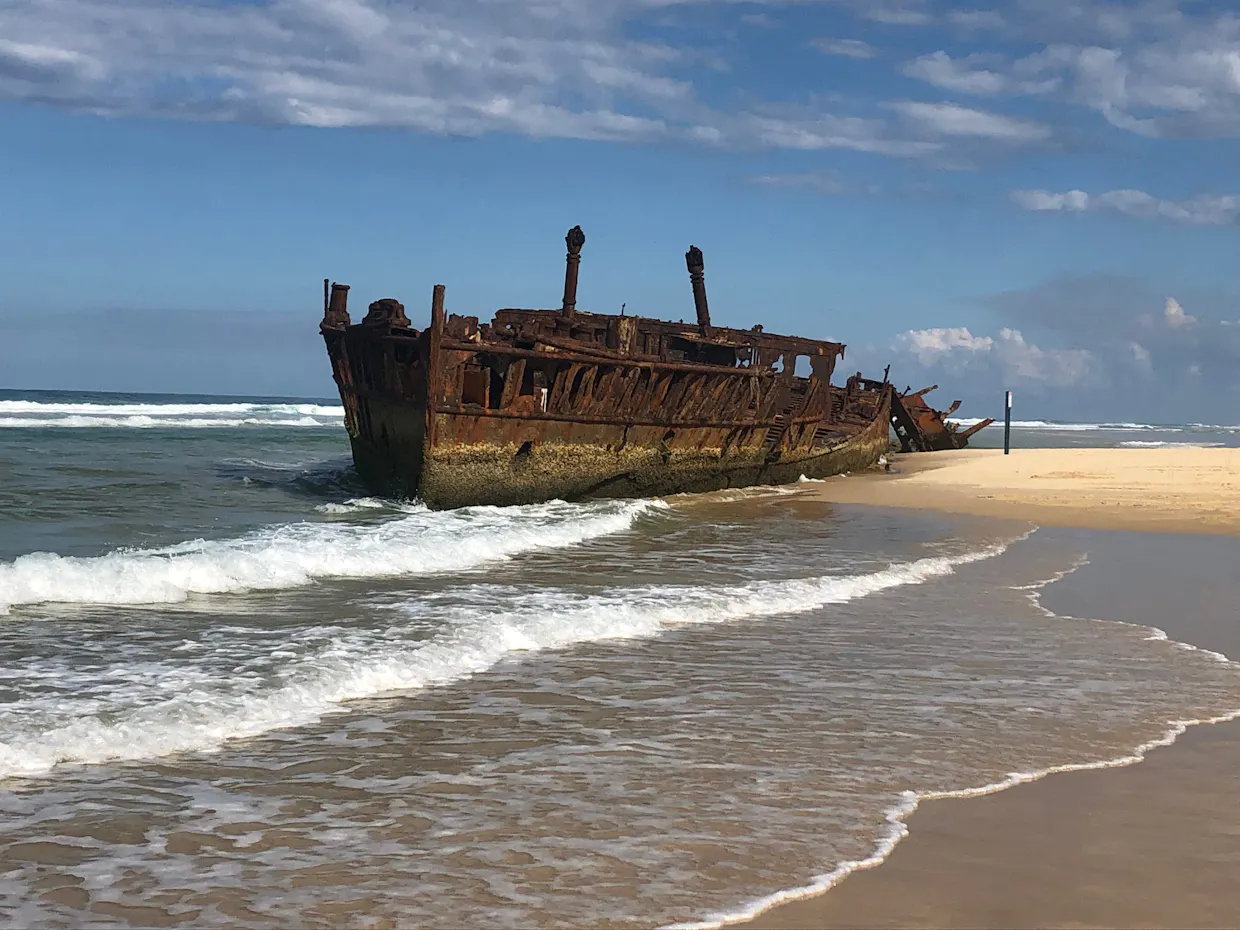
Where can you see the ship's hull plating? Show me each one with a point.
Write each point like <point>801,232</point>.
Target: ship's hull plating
<point>454,419</point>
<point>449,475</point>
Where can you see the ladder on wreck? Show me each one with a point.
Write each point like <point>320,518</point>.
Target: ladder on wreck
<point>779,427</point>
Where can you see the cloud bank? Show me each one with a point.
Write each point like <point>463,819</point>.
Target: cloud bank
<point>1203,210</point>
<point>1099,347</point>
<point>635,70</point>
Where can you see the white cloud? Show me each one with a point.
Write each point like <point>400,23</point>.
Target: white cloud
<point>1008,355</point>
<point>970,76</point>
<point>1026,361</point>
<point>1140,356</point>
<point>1202,210</point>
<point>1174,315</point>
<point>813,132</point>
<point>949,119</point>
<point>1070,201</point>
<point>459,67</point>
<point>848,48</point>
<point>544,68</point>
<point>897,16</point>
<point>1153,69</point>
<point>932,346</point>
<point>567,68</point>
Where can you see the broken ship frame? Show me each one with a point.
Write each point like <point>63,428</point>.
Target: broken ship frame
<point>562,404</point>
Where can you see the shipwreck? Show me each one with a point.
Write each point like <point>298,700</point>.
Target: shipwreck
<point>564,404</point>
<point>921,428</point>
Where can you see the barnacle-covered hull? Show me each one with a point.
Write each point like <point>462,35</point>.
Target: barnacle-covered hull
<point>558,404</point>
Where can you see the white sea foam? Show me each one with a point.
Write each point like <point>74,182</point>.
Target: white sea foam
<point>363,504</point>
<point>292,555</point>
<point>1072,427</point>
<point>14,407</point>
<point>358,664</point>
<point>908,802</point>
<point>145,422</point>
<point>1141,444</point>
<point>27,414</point>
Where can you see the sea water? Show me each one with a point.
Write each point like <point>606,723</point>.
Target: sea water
<point>235,690</point>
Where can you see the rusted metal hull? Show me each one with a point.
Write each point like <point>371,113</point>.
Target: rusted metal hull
<point>452,457</point>
<point>561,404</point>
<point>921,428</point>
<point>594,461</point>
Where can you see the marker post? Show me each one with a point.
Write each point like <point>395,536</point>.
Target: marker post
<point>1007,424</point>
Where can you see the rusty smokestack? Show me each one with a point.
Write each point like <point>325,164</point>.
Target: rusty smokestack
<point>574,240</point>
<point>437,318</point>
<point>697,277</point>
<point>336,311</point>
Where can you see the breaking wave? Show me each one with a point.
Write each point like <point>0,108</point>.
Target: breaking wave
<point>291,555</point>
<point>488,627</point>
<point>1141,444</point>
<point>28,414</point>
<point>1076,427</point>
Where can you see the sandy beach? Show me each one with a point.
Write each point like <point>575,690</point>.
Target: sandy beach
<point>1145,845</point>
<point>1183,490</point>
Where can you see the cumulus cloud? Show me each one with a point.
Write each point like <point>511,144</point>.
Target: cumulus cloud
<point>1175,316</point>
<point>1100,348</point>
<point>1008,354</point>
<point>1140,356</point>
<point>932,346</point>
<point>1202,210</point>
<point>1142,342</point>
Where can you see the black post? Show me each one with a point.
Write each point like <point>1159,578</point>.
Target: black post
<point>1007,424</point>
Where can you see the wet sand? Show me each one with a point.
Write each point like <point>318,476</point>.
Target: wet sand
<point>1156,844</point>
<point>1171,490</point>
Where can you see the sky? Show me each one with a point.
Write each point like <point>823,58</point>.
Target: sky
<point>1035,195</point>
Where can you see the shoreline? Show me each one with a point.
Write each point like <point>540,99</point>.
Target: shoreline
<point>1110,843</point>
<point>933,856</point>
<point>803,906</point>
<point>1193,490</point>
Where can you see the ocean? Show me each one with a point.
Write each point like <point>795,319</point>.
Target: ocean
<point>235,690</point>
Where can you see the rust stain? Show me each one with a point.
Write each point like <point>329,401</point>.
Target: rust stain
<point>921,428</point>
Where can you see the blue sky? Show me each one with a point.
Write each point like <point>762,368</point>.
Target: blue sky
<point>1028,194</point>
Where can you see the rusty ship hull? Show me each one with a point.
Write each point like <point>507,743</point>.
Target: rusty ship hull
<point>539,405</point>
